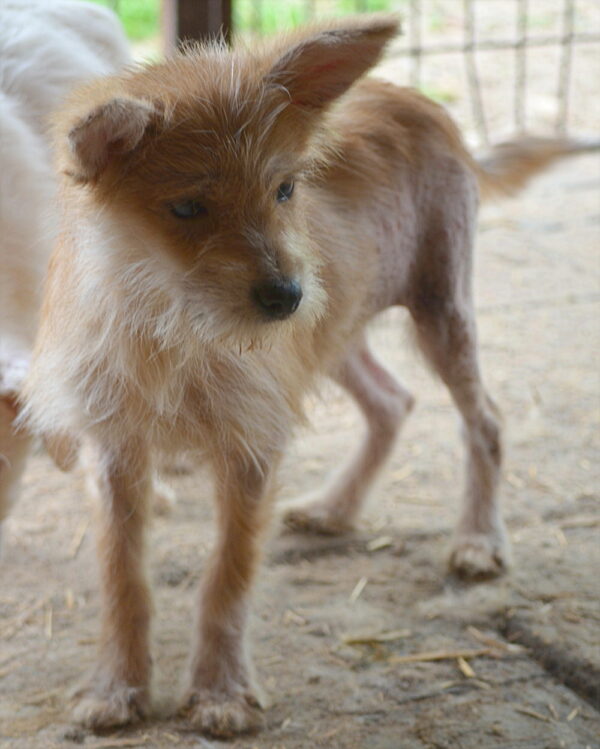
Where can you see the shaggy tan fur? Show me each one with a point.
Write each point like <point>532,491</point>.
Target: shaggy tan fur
<point>164,331</point>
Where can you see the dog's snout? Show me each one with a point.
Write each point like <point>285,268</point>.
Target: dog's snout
<point>278,299</point>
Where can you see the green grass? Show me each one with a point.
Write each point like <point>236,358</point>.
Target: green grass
<point>141,18</point>
<point>267,16</point>
<point>442,95</point>
<point>370,6</point>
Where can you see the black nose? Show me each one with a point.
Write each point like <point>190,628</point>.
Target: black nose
<point>278,299</point>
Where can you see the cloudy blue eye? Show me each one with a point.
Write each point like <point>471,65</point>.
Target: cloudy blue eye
<point>284,191</point>
<point>187,209</point>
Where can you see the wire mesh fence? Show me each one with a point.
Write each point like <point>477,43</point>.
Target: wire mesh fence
<point>520,43</point>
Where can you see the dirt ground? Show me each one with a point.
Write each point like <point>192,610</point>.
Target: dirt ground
<point>333,618</point>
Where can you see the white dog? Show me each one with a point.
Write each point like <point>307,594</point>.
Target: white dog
<point>45,50</point>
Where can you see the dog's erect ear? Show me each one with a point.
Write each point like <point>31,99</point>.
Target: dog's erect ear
<point>113,128</point>
<point>322,67</point>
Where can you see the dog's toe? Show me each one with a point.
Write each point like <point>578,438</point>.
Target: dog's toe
<point>315,517</point>
<point>479,557</point>
<point>223,716</point>
<point>116,706</point>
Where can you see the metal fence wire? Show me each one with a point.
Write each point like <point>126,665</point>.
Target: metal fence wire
<point>520,43</point>
<point>259,16</point>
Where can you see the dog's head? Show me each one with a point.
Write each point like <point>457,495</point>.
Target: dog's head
<point>207,158</point>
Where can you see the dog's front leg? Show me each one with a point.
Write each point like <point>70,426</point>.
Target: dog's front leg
<point>118,690</point>
<point>221,699</point>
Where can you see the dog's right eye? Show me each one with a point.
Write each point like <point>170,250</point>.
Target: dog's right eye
<point>187,209</point>
<point>284,191</point>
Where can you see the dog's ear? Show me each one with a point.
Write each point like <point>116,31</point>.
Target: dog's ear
<point>322,67</point>
<point>113,128</point>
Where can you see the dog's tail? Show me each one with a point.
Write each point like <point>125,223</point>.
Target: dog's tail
<point>508,167</point>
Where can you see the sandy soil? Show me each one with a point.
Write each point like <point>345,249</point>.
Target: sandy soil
<point>538,299</point>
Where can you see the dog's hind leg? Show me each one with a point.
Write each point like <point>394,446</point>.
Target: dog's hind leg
<point>118,690</point>
<point>446,333</point>
<point>384,404</point>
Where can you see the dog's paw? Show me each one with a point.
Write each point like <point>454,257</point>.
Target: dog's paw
<point>479,557</point>
<point>223,715</point>
<point>315,517</point>
<point>117,705</point>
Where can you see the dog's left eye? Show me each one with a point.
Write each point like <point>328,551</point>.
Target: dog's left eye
<point>284,191</point>
<point>187,209</point>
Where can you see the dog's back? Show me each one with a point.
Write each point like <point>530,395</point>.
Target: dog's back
<point>47,48</point>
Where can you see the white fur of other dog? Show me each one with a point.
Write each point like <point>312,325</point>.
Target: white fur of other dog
<point>46,48</point>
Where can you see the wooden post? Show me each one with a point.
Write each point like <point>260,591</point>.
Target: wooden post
<point>194,20</point>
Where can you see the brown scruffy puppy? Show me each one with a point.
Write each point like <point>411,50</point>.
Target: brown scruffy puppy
<point>231,221</point>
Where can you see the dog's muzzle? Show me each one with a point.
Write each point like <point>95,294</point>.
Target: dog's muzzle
<point>278,299</point>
